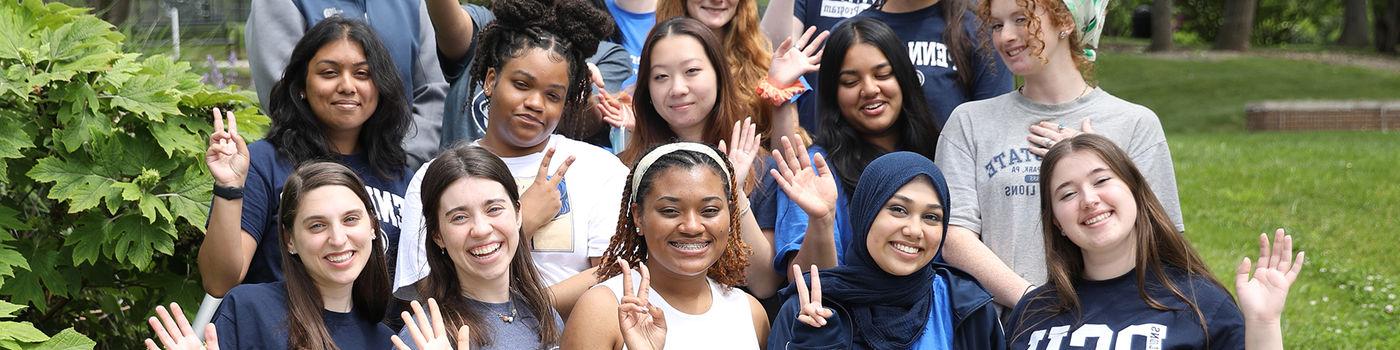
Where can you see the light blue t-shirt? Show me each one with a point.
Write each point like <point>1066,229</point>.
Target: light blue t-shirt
<point>938,331</point>
<point>634,28</point>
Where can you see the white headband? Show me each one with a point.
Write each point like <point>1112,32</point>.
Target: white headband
<point>642,166</point>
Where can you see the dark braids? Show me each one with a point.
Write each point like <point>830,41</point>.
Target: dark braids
<point>570,29</point>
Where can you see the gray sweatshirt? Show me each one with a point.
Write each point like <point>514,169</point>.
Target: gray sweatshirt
<point>993,178</point>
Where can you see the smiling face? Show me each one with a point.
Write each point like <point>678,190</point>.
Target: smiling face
<point>479,227</point>
<point>1011,31</point>
<point>1093,207</point>
<point>332,236</point>
<point>868,93</point>
<point>713,13</point>
<point>682,84</point>
<point>339,88</point>
<point>684,218</point>
<point>905,235</point>
<point>527,98</point>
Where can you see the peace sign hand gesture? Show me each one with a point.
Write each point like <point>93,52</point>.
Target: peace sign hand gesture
<point>175,333</point>
<point>807,181</point>
<point>793,59</point>
<point>542,200</point>
<point>430,334</point>
<point>742,149</point>
<point>227,155</point>
<point>643,325</point>
<point>1262,297</point>
<point>812,312</point>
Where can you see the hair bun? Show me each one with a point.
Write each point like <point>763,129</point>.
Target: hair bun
<point>580,23</point>
<point>519,13</point>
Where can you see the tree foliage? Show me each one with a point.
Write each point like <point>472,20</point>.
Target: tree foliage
<point>103,192</point>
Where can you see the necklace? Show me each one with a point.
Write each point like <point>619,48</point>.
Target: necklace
<point>507,318</point>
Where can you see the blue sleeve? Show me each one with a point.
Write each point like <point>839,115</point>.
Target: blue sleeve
<point>788,333</point>
<point>763,200</point>
<point>224,323</point>
<point>1225,322</point>
<point>993,78</point>
<point>452,70</point>
<point>799,10</point>
<point>615,65</point>
<point>258,197</point>
<point>790,224</point>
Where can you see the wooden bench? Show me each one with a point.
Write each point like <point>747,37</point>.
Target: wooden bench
<point>1322,115</point>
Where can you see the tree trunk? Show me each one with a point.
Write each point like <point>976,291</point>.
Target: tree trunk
<point>1239,24</point>
<point>1387,16</point>
<point>112,11</point>
<point>1161,26</point>
<point>1354,24</point>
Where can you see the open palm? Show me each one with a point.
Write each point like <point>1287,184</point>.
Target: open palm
<point>807,181</point>
<point>1262,297</point>
<point>742,148</point>
<point>792,59</point>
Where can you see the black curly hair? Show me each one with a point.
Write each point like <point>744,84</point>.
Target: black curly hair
<point>570,29</point>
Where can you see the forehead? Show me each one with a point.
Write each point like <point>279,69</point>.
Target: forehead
<point>920,191</point>
<point>686,183</point>
<point>470,191</point>
<point>545,66</point>
<point>1001,8</point>
<point>676,49</point>
<point>328,201</point>
<point>863,55</point>
<point>343,50</point>
<point>1078,164</point>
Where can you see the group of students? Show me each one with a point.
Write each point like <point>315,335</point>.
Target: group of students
<point>914,200</point>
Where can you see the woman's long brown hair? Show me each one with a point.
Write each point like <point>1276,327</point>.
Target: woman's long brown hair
<point>370,293</point>
<point>443,284</point>
<point>1159,245</point>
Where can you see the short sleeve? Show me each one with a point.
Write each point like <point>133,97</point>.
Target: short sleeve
<point>259,191</point>
<point>1154,158</point>
<point>954,157</point>
<point>225,324</point>
<point>411,264</point>
<point>1225,322</point>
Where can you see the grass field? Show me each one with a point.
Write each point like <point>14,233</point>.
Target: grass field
<point>1338,193</point>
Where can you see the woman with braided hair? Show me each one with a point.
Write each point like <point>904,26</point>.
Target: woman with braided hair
<point>681,229</point>
<point>531,64</point>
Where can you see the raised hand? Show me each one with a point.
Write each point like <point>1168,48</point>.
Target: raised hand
<point>1046,134</point>
<point>812,312</point>
<point>807,181</point>
<point>615,111</point>
<point>541,202</point>
<point>643,325</point>
<point>428,330</point>
<point>227,156</point>
<point>175,332</point>
<point>793,59</point>
<point>742,149</point>
<point>1262,297</point>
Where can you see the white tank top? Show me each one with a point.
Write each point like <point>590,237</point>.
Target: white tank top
<point>728,324</point>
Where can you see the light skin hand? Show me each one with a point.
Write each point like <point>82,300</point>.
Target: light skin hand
<point>742,149</point>
<point>812,312</point>
<point>175,332</point>
<point>792,59</point>
<point>428,330</point>
<point>1046,134</point>
<point>643,325</point>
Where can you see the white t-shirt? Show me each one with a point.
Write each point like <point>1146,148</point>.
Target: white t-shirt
<point>728,324</point>
<point>587,220</point>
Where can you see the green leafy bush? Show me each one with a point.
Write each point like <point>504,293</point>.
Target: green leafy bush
<point>103,192</point>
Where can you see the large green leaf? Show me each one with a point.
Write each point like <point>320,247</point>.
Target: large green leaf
<point>176,135</point>
<point>21,331</point>
<point>13,139</point>
<point>80,117</point>
<point>189,197</point>
<point>72,182</point>
<point>9,260</point>
<point>8,310</point>
<point>165,69</point>
<point>137,241</point>
<point>68,339</point>
<point>147,96</point>
<point>16,24</point>
<point>87,238</point>
<point>30,286</point>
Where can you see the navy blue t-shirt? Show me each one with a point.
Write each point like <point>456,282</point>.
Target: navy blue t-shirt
<point>254,316</point>
<point>262,193</point>
<point>1115,317</point>
<point>922,32</point>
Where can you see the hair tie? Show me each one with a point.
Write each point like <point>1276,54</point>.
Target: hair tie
<point>651,157</point>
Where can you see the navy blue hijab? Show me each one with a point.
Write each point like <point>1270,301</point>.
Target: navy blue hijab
<point>889,311</point>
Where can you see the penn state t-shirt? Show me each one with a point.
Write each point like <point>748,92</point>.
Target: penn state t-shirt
<point>254,316</point>
<point>1114,316</point>
<point>262,193</point>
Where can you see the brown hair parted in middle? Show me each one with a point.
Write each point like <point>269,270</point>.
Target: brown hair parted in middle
<point>628,244</point>
<point>1159,245</point>
<point>306,328</point>
<point>463,161</point>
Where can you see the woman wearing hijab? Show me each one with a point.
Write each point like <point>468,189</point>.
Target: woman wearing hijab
<point>892,290</point>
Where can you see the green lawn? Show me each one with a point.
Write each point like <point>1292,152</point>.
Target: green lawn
<point>1338,193</point>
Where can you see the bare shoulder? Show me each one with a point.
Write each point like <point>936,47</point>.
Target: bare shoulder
<point>593,322</point>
